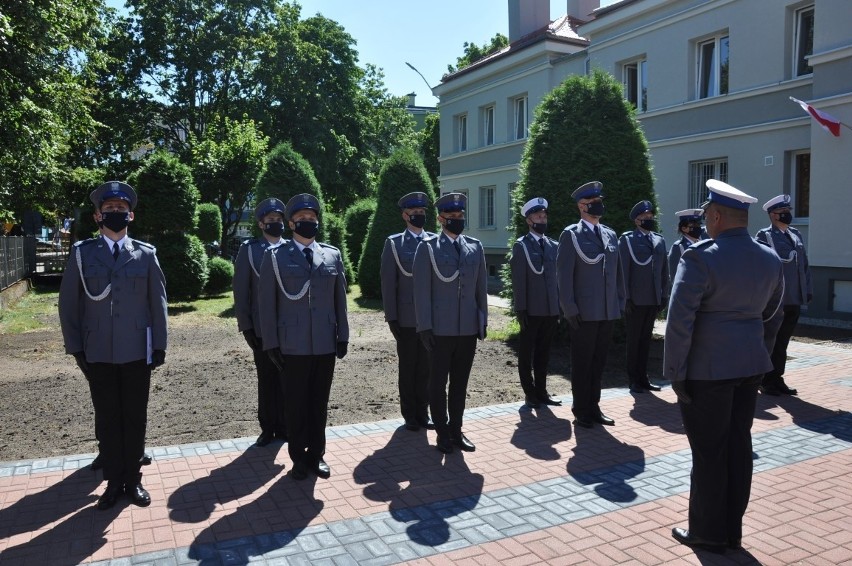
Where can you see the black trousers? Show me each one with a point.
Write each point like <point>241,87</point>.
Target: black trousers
<point>452,359</point>
<point>307,385</point>
<point>120,397</point>
<point>589,346</point>
<point>270,397</point>
<point>534,354</point>
<point>640,328</point>
<point>413,381</point>
<point>718,426</point>
<point>782,341</point>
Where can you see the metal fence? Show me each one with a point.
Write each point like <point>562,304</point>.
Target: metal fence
<point>17,259</point>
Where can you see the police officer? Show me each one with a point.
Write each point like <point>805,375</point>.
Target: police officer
<point>451,308</point>
<point>591,296</point>
<point>533,266</point>
<point>270,402</point>
<point>690,230</point>
<point>113,312</point>
<point>646,281</point>
<point>724,291</point>
<point>787,243</point>
<point>398,301</point>
<point>303,325</point>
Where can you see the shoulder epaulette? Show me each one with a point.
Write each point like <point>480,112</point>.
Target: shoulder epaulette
<point>431,238</point>
<point>469,239</point>
<point>397,235</point>
<point>703,243</point>
<point>144,244</point>
<point>521,239</point>
<point>86,242</point>
<point>627,233</point>
<point>329,246</point>
<point>249,242</point>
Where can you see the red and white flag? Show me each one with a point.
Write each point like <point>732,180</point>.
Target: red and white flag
<point>828,122</point>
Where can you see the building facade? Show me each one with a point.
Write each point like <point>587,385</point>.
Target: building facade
<point>711,81</point>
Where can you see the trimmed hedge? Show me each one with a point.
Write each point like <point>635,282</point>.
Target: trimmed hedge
<point>357,220</point>
<point>221,275</point>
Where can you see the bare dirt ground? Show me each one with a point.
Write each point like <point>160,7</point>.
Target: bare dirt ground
<point>207,388</point>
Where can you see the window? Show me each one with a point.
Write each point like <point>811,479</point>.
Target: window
<point>511,212</point>
<point>488,125</point>
<point>801,181</point>
<point>636,85</point>
<point>461,132</point>
<point>804,40</point>
<point>520,118</point>
<point>486,206</point>
<point>713,59</point>
<point>699,173</point>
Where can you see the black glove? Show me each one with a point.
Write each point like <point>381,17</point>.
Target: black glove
<point>428,339</point>
<point>679,387</point>
<point>394,328</point>
<point>158,358</point>
<point>810,297</point>
<point>80,358</point>
<point>277,358</point>
<point>342,349</point>
<point>484,334</point>
<point>573,321</point>
<point>252,340</point>
<point>522,319</point>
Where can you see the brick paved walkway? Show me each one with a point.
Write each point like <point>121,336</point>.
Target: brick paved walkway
<point>536,490</point>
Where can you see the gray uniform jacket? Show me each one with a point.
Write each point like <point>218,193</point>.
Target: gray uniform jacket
<point>646,269</point>
<point>724,291</point>
<point>675,252</point>
<point>113,329</point>
<point>310,319</point>
<point>534,276</point>
<point>794,258</point>
<point>450,308</point>
<point>246,278</point>
<point>590,280</point>
<point>398,278</point>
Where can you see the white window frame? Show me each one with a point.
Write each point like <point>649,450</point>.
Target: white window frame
<point>801,67</point>
<point>699,173</point>
<point>488,113</point>
<point>461,132</point>
<point>520,118</point>
<point>635,81</point>
<point>710,73</point>
<point>487,198</point>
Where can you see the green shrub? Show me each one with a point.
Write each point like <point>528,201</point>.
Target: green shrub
<point>220,275</point>
<point>335,232</point>
<point>357,221</point>
<point>184,264</point>
<point>209,223</point>
<point>167,197</point>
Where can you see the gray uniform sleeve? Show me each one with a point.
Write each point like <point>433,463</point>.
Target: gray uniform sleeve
<point>388,275</point>
<point>687,292</point>
<point>566,256</point>
<point>518,266</point>
<point>242,290</point>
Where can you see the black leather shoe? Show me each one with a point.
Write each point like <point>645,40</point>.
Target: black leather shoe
<point>322,470</point>
<point>145,460</point>
<point>683,536</point>
<point>785,389</point>
<point>96,463</point>
<point>426,423</point>
<point>547,399</point>
<point>444,445</point>
<point>137,494</point>
<point>585,423</point>
<point>412,426</point>
<point>651,387</point>
<point>299,472</point>
<point>604,420</point>
<point>735,543</point>
<point>264,439</point>
<point>113,491</point>
<point>282,436</point>
<point>531,402</point>
<point>769,390</point>
<point>636,388</point>
<point>463,443</point>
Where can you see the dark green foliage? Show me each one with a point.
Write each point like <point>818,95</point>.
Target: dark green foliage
<point>167,197</point>
<point>209,222</point>
<point>184,264</point>
<point>357,221</point>
<point>335,230</point>
<point>286,175</point>
<point>401,174</point>
<point>430,146</point>
<point>220,275</point>
<point>473,52</point>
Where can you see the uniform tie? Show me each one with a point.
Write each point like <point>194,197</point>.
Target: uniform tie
<point>457,246</point>
<point>598,232</point>
<point>115,251</point>
<point>309,255</point>
<point>541,243</point>
<point>789,238</point>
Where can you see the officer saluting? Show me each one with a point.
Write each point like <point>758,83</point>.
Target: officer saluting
<point>303,326</point>
<point>646,280</point>
<point>533,265</point>
<point>397,276</point>
<point>451,306</point>
<point>788,245</point>
<point>690,230</point>
<point>113,313</point>
<point>270,402</point>
<point>724,292</point>
<point>591,295</point>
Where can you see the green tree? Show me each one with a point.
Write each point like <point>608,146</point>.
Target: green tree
<point>473,52</point>
<point>209,223</point>
<point>430,146</point>
<point>402,173</point>
<point>357,221</point>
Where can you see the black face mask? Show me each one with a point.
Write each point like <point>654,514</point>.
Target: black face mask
<point>417,220</point>
<point>454,225</point>
<point>539,227</point>
<point>115,221</point>
<point>595,208</point>
<point>307,229</point>
<point>785,217</point>
<point>694,232</point>
<point>274,229</point>
<point>647,224</point>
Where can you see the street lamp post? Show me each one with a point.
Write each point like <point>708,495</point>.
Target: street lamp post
<point>413,68</point>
